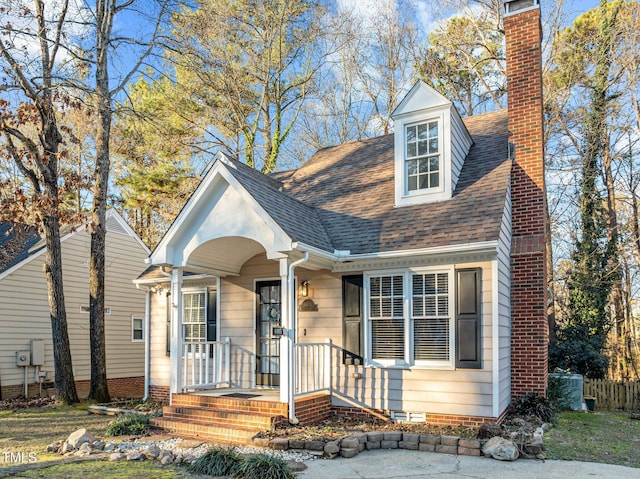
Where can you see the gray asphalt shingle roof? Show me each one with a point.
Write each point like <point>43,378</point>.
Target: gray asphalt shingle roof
<point>15,246</point>
<point>351,186</point>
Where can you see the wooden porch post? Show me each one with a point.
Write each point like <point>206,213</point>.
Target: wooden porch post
<point>286,340</point>
<point>175,381</point>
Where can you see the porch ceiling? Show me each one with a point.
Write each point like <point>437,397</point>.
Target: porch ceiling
<point>224,255</point>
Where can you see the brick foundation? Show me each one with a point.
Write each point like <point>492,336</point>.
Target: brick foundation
<point>435,419</point>
<point>132,387</point>
<point>159,394</point>
<point>529,325</point>
<point>313,409</point>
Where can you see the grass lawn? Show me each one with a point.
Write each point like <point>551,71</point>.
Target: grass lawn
<point>29,431</point>
<point>602,436</point>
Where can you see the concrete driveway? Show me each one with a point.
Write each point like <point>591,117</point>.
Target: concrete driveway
<point>404,464</point>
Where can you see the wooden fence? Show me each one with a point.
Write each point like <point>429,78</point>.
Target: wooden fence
<point>613,395</point>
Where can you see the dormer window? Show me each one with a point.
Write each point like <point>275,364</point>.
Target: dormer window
<point>431,143</point>
<point>423,165</point>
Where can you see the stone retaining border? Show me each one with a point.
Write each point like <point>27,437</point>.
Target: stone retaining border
<point>352,445</point>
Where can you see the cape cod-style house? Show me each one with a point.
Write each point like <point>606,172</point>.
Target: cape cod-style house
<point>402,275</point>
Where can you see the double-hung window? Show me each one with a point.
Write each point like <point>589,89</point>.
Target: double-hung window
<point>193,316</point>
<point>423,165</point>
<point>410,318</point>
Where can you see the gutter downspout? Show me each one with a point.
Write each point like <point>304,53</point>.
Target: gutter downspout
<point>147,341</point>
<point>291,286</point>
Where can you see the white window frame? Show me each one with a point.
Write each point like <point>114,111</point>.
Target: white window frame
<point>189,291</point>
<point>409,362</point>
<point>423,191</point>
<point>134,329</point>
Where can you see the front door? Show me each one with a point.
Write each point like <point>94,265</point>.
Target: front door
<point>268,345</point>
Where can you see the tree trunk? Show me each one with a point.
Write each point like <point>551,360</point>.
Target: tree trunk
<point>99,390</point>
<point>64,381</point>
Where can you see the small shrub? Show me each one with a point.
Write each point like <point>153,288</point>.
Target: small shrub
<point>128,425</point>
<point>217,461</point>
<point>265,466</point>
<point>534,405</point>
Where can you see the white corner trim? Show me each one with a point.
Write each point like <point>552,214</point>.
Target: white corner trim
<point>495,339</point>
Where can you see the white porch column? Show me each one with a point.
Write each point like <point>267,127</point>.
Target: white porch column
<point>286,341</point>
<point>175,381</point>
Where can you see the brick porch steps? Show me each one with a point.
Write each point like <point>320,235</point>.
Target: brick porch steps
<point>218,434</point>
<point>218,419</point>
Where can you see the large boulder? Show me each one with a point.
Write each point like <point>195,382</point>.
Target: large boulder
<point>79,437</point>
<point>501,449</point>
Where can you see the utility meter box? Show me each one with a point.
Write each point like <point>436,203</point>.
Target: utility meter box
<point>37,352</point>
<point>23,358</point>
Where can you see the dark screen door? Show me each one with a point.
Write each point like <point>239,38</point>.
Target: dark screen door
<point>268,345</point>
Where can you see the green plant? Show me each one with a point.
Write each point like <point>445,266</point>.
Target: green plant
<point>265,466</point>
<point>534,405</point>
<point>559,393</point>
<point>128,425</point>
<point>217,461</point>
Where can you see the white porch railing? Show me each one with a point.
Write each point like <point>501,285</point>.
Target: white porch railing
<point>205,365</point>
<point>313,371</point>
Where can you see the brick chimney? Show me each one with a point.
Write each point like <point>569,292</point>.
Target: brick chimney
<point>529,326</point>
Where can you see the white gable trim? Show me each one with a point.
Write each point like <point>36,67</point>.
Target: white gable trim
<point>164,252</point>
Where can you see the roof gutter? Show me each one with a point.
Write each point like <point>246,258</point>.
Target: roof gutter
<point>345,255</point>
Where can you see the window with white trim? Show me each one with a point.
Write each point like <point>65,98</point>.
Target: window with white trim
<point>137,329</point>
<point>194,316</point>
<point>409,318</point>
<point>422,156</point>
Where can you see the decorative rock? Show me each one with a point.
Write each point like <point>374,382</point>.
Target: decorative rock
<point>375,436</point>
<point>362,447</point>
<point>430,439</point>
<point>469,443</point>
<point>296,444</point>
<point>546,427</point>
<point>109,447</point>
<point>66,448</point>
<point>423,446</point>
<point>54,447</point>
<point>393,436</point>
<point>84,449</point>
<point>79,437</point>
<point>134,456</point>
<point>389,444</point>
<point>165,457</point>
<point>468,451</point>
<point>449,440</point>
<point>278,444</point>
<point>261,441</point>
<point>151,452</point>
<point>362,438</point>
<point>489,430</point>
<point>501,449</point>
<point>408,445</point>
<point>350,442</point>
<point>445,449</point>
<point>98,445</point>
<point>296,466</point>
<point>331,448</point>
<point>373,444</point>
<point>117,456</point>
<point>314,445</point>
<point>348,452</point>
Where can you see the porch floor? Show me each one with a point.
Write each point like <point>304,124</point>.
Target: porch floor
<point>272,395</point>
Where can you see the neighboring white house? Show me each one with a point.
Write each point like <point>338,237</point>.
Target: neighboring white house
<point>402,275</point>
<point>25,327</point>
